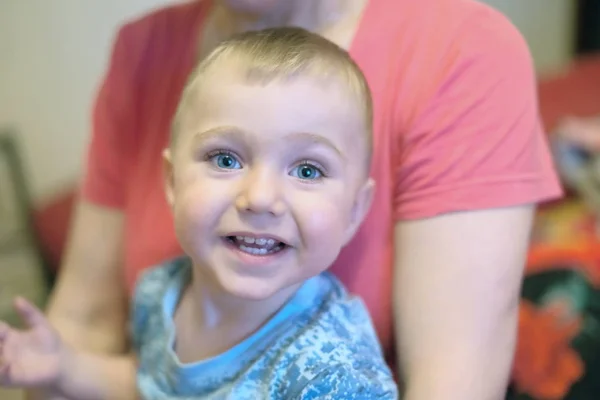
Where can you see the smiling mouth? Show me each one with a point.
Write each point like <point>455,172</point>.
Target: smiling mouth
<point>260,246</point>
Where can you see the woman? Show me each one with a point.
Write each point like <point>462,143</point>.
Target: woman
<point>460,161</point>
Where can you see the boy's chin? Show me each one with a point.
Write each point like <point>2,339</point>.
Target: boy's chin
<point>257,289</point>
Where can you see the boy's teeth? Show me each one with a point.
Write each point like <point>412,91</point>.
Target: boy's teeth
<point>259,251</point>
<point>254,250</point>
<point>258,241</point>
<point>257,246</point>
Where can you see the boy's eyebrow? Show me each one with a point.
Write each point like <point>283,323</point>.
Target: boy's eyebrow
<point>228,132</point>
<point>315,139</point>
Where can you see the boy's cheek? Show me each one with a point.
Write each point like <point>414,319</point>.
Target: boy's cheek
<point>324,226</point>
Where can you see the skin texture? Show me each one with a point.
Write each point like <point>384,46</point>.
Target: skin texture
<point>456,307</point>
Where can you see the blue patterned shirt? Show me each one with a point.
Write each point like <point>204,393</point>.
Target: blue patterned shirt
<point>320,345</point>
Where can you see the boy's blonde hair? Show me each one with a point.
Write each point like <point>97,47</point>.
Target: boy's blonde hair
<point>281,54</point>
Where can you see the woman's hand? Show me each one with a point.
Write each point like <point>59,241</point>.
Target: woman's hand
<point>584,132</point>
<point>32,357</point>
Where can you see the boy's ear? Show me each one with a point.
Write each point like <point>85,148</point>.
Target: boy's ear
<point>360,208</point>
<point>167,162</point>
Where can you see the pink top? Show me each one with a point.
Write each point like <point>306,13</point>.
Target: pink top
<point>456,128</point>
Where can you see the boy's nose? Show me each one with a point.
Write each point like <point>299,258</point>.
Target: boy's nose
<point>261,194</point>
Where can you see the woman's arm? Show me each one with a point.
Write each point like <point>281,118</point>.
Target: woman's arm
<point>99,377</point>
<point>89,304</point>
<point>457,283</point>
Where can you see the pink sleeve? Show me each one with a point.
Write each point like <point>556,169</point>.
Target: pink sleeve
<point>478,143</point>
<point>112,129</point>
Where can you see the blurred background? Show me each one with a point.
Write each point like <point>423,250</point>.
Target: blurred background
<point>53,55</point>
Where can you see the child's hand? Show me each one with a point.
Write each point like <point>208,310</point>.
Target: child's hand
<point>32,357</point>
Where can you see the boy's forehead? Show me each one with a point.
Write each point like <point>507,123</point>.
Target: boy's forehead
<point>235,69</point>
<point>302,104</point>
<point>224,95</point>
<point>230,80</point>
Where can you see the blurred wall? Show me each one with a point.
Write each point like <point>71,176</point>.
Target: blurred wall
<point>548,26</point>
<point>53,53</point>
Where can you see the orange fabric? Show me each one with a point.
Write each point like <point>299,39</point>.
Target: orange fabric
<point>557,315</point>
<point>545,365</point>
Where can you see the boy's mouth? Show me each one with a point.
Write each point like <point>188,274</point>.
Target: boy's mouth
<point>258,246</point>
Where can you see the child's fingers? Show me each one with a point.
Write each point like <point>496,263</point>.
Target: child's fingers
<point>3,373</point>
<point>29,313</point>
<point>4,329</point>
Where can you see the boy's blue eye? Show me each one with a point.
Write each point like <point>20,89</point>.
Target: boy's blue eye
<point>306,172</point>
<point>225,161</point>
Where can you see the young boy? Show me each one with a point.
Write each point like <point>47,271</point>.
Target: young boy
<point>267,174</point>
